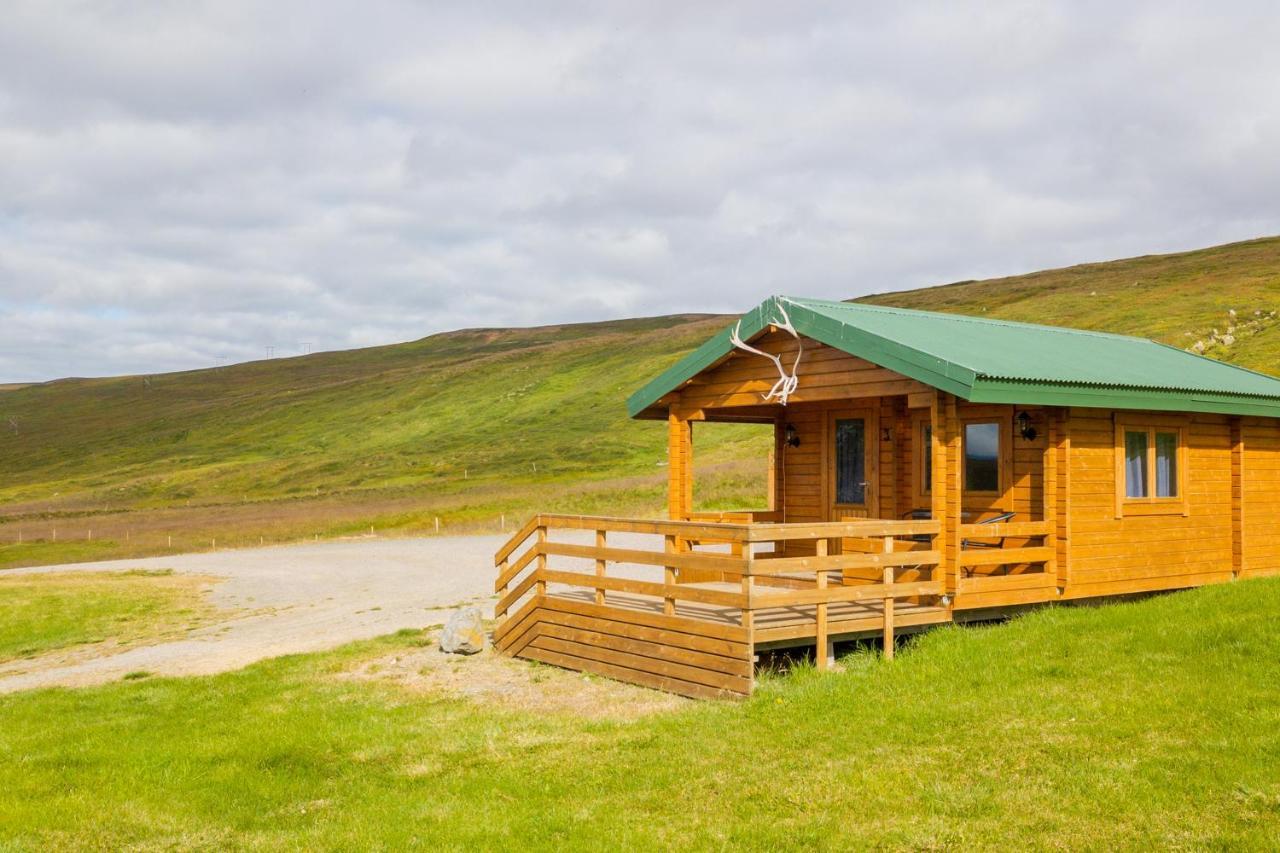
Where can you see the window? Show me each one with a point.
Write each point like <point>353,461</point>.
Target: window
<point>982,458</point>
<point>851,461</point>
<point>1149,467</point>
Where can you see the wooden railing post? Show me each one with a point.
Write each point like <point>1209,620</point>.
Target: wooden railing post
<point>888,602</point>
<point>669,579</point>
<point>502,591</point>
<point>601,541</point>
<point>540,588</point>
<point>825,651</point>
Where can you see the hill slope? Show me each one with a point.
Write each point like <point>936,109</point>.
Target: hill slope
<point>471,425</point>
<point>466,425</point>
<point>1177,299</point>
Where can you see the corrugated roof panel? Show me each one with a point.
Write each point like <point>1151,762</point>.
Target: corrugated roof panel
<point>1001,361</point>
<point>999,349</point>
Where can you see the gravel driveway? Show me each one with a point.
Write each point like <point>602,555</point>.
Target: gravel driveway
<point>291,598</point>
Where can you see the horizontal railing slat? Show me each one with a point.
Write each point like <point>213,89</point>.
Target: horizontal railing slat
<point>686,529</point>
<point>1013,529</point>
<point>515,569</point>
<point>516,540</point>
<point>1000,583</point>
<point>504,603</point>
<point>679,592</point>
<point>1005,556</point>
<point>832,594</point>
<point>783,565</point>
<point>841,530</point>
<point>679,560</point>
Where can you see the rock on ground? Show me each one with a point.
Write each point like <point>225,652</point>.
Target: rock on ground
<point>463,634</point>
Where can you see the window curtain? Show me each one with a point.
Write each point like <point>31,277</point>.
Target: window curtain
<point>1166,465</point>
<point>1135,464</point>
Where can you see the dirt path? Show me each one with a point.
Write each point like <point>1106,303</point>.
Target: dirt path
<point>289,599</point>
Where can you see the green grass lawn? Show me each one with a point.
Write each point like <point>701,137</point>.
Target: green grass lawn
<point>43,613</point>
<point>1150,724</point>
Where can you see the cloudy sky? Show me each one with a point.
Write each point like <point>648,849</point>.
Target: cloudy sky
<point>186,184</point>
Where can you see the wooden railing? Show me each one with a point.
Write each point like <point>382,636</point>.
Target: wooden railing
<point>994,571</point>
<point>863,561</point>
<point>737,516</point>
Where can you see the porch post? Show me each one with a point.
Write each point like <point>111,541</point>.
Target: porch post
<point>1238,566</point>
<point>1060,418</point>
<point>1049,491</point>
<point>945,488</point>
<point>679,466</point>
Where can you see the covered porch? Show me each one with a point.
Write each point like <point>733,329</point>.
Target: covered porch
<point>893,504</point>
<point>991,476</point>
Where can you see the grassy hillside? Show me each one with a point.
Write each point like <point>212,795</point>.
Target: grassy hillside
<point>472,425</point>
<point>1178,299</point>
<point>467,425</point>
<point>1150,725</point>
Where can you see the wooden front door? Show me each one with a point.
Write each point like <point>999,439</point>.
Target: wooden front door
<point>852,462</point>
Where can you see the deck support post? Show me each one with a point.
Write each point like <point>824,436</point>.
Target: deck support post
<point>601,542</point>
<point>824,648</point>
<point>888,601</point>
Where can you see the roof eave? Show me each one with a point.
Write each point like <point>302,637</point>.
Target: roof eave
<point>1110,397</point>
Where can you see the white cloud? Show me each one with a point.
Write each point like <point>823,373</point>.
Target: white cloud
<point>182,184</point>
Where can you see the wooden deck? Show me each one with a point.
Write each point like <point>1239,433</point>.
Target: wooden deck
<point>723,592</point>
<point>783,627</point>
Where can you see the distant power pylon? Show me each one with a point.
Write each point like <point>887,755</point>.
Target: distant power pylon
<point>304,347</point>
<point>271,352</point>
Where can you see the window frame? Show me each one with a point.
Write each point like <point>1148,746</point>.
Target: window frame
<point>922,453</point>
<point>1002,497</point>
<point>1151,504</point>
<point>837,511</point>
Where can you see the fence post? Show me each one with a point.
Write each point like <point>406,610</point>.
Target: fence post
<point>888,602</point>
<point>825,651</point>
<point>540,588</point>
<point>601,541</point>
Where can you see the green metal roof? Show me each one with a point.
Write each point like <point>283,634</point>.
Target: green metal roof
<point>997,361</point>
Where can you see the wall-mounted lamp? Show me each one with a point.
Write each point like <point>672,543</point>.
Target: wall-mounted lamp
<point>792,436</point>
<point>1025,429</point>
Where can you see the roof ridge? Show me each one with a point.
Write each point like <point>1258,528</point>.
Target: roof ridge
<point>947,315</point>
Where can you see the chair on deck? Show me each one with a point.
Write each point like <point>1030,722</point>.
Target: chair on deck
<point>999,543</point>
<point>924,514</point>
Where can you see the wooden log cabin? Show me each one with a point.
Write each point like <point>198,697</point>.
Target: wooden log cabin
<point>927,468</point>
